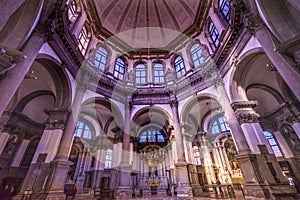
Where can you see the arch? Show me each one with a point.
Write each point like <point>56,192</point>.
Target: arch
<point>140,73</point>
<point>20,106</point>
<point>101,58</point>
<point>268,89</point>
<point>158,74</point>
<point>191,102</point>
<point>73,10</point>
<point>116,112</point>
<point>285,19</point>
<point>252,69</point>
<point>178,64</point>
<point>21,24</point>
<point>146,109</point>
<point>120,68</point>
<point>61,79</point>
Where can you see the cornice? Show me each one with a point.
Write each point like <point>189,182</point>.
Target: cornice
<point>244,105</point>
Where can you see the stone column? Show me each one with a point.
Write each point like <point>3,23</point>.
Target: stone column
<point>4,130</point>
<point>124,189</point>
<point>260,169</point>
<point>295,121</point>
<point>286,70</point>
<point>45,152</point>
<point>183,185</point>
<point>14,77</point>
<point>60,165</point>
<point>231,119</point>
<point>52,134</point>
<point>4,136</point>
<point>20,153</point>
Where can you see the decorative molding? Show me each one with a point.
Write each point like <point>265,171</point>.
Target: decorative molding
<point>248,118</point>
<point>55,125</point>
<point>244,105</point>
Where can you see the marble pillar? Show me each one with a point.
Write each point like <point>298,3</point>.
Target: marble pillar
<point>14,77</point>
<point>124,189</point>
<point>59,167</point>
<point>183,186</point>
<point>287,71</point>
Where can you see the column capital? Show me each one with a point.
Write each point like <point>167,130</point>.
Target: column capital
<point>248,118</point>
<point>44,29</point>
<point>254,23</point>
<point>56,124</point>
<point>118,137</point>
<point>292,119</point>
<point>244,111</point>
<point>244,105</point>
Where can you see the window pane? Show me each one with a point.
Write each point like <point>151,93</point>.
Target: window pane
<point>197,56</point>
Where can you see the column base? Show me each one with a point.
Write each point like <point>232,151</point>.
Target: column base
<point>57,177</point>
<point>53,195</point>
<point>124,190</point>
<point>184,189</point>
<point>123,193</point>
<point>262,192</point>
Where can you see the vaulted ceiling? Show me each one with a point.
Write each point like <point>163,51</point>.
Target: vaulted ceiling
<point>148,23</point>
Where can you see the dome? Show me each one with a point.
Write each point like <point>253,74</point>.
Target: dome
<point>146,20</point>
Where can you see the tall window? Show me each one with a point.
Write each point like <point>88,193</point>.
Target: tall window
<point>152,135</point>
<point>197,55</point>
<point>101,58</point>
<point>84,39</point>
<point>213,33</point>
<point>158,73</point>
<point>197,157</point>
<point>83,130</point>
<point>140,74</point>
<point>72,10</point>
<point>225,8</point>
<point>119,69</point>
<point>219,125</point>
<point>108,159</point>
<point>179,66</point>
<point>273,143</point>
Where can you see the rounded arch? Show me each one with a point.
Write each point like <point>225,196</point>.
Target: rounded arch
<point>152,109</point>
<point>254,67</point>
<point>20,106</point>
<point>287,19</point>
<point>268,89</point>
<point>109,105</point>
<point>21,24</point>
<point>60,77</point>
<point>192,102</point>
<point>234,90</point>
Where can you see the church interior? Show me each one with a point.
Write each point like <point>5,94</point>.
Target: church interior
<point>149,99</point>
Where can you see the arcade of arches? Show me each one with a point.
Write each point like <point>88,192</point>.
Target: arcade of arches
<point>149,99</point>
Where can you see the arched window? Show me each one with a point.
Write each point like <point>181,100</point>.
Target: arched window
<point>108,159</point>
<point>140,74</point>
<point>219,125</point>
<point>224,6</point>
<point>83,130</point>
<point>179,67</point>
<point>152,135</point>
<point>158,73</point>
<point>119,69</point>
<point>213,34</point>
<point>73,10</point>
<point>84,39</point>
<point>273,143</point>
<point>101,58</point>
<point>197,55</point>
<point>197,157</point>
